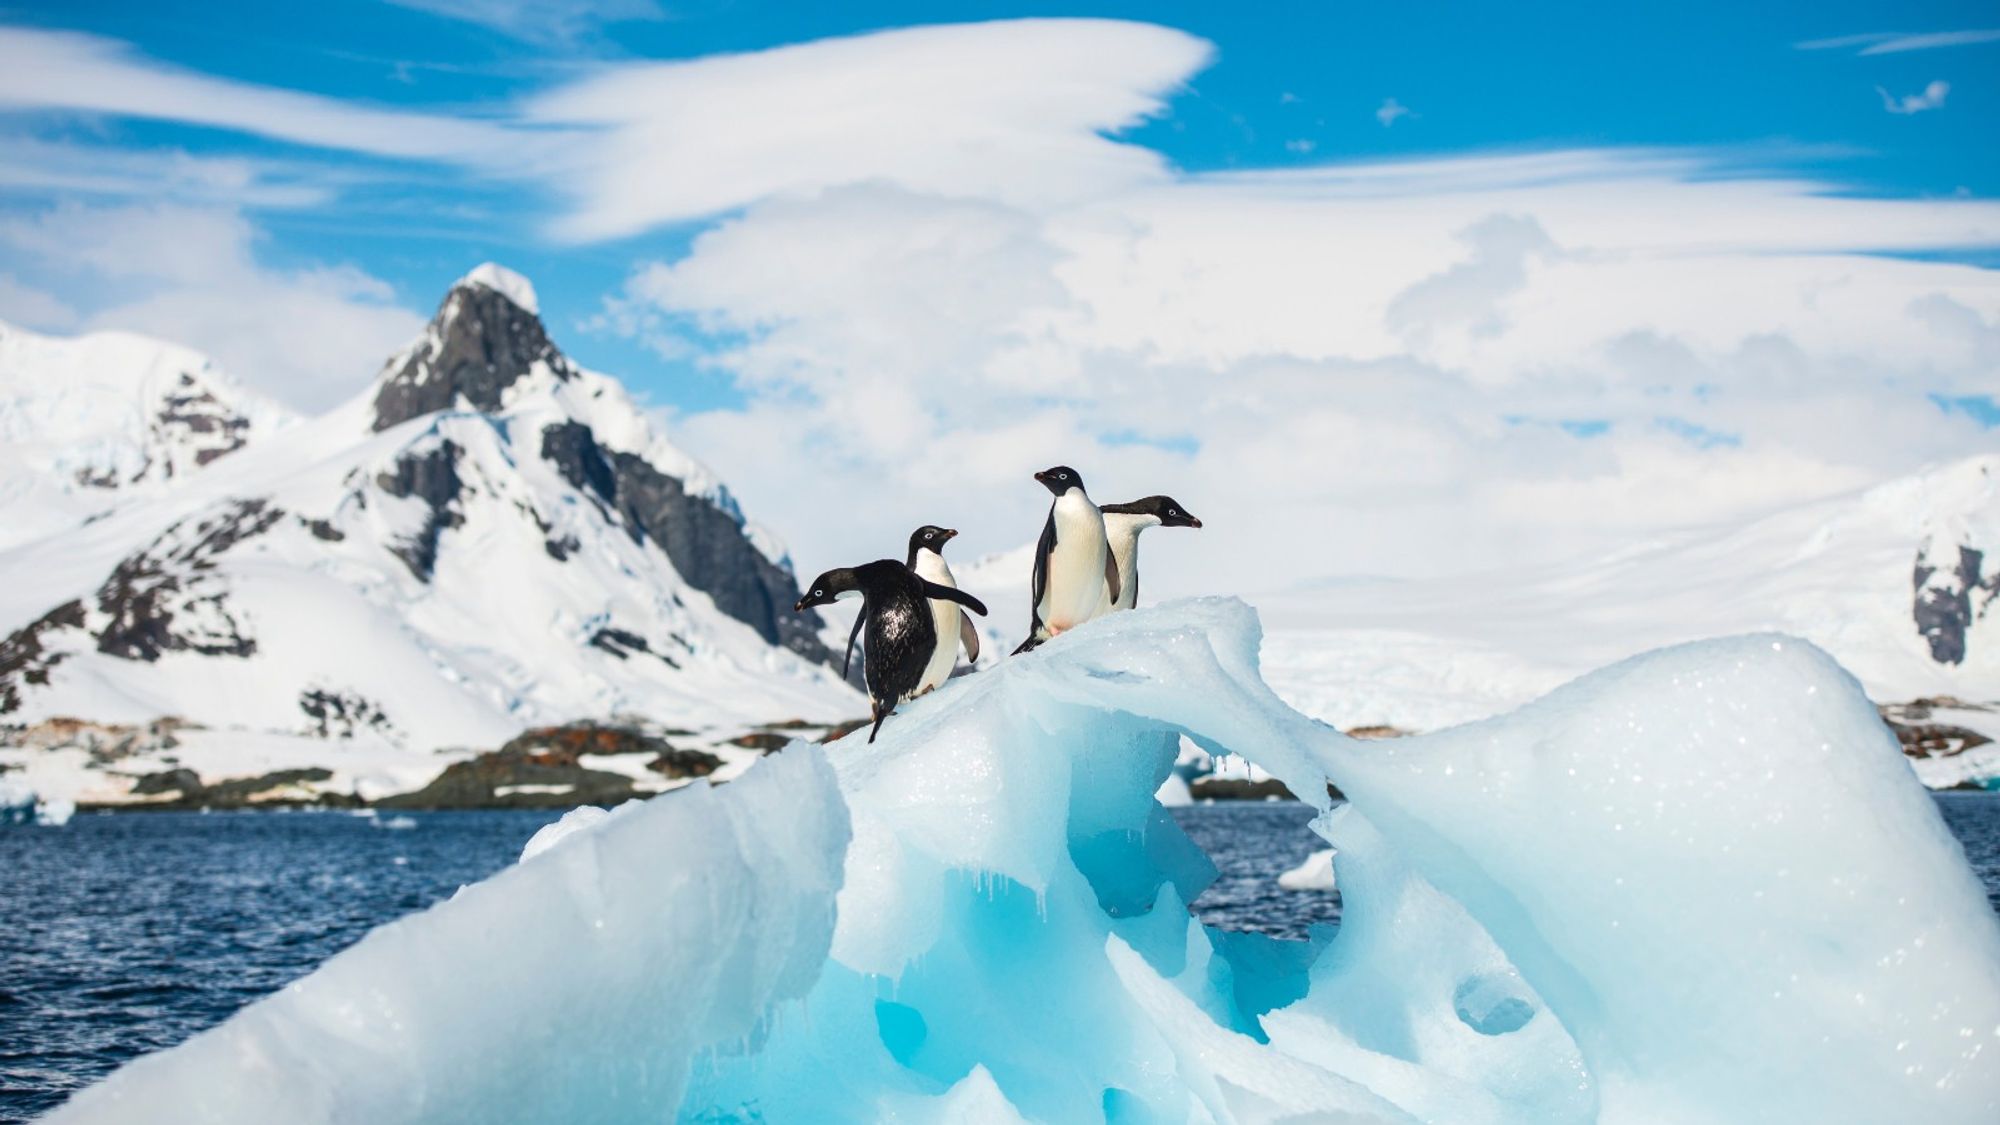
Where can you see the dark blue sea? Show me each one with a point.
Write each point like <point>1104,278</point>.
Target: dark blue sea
<point>124,934</point>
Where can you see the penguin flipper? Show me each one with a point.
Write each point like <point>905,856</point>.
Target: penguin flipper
<point>946,593</point>
<point>969,637</point>
<point>1043,549</point>
<point>851,635</point>
<point>1110,578</point>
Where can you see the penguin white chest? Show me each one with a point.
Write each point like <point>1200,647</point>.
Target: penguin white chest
<point>945,615</point>
<point>1075,583</point>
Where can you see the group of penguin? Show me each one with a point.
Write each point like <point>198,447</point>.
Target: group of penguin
<point>1086,565</point>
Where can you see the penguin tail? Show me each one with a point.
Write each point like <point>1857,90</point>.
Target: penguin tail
<point>880,717</point>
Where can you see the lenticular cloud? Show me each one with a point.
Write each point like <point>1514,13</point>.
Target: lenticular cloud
<point>1700,885</point>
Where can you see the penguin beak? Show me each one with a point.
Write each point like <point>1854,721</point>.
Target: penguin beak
<point>950,533</point>
<point>801,607</point>
<point>1194,521</point>
<point>1043,477</point>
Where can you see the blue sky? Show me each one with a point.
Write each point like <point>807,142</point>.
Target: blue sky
<point>1291,84</point>
<point>1543,275</point>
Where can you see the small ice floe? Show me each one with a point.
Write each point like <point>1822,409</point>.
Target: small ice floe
<point>1315,874</point>
<point>398,823</point>
<point>21,804</point>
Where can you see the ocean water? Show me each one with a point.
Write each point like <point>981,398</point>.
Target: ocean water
<point>125,934</point>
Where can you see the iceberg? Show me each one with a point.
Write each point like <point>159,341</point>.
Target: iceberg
<point>1314,874</point>
<point>1697,886</point>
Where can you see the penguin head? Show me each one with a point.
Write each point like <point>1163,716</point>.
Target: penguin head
<point>930,537</point>
<point>1060,479</point>
<point>828,587</point>
<point>1168,511</point>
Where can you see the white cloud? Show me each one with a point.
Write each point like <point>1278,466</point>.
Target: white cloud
<point>308,337</point>
<point>31,308</point>
<point>1896,42</point>
<point>1390,110</point>
<point>1932,97</point>
<point>66,168</point>
<point>1016,111</point>
<point>540,20</point>
<point>1354,368</point>
<point>61,70</point>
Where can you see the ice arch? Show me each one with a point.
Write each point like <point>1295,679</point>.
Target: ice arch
<point>1696,886</point>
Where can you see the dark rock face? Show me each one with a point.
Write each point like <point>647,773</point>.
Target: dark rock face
<point>705,542</point>
<point>477,346</point>
<point>24,657</point>
<point>1949,598</point>
<point>707,546</point>
<point>685,763</point>
<point>173,580</point>
<point>232,794</point>
<point>573,450</point>
<point>622,644</point>
<point>340,714</point>
<point>433,478</point>
<point>192,409</point>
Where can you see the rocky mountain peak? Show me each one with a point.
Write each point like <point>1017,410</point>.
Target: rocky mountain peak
<point>486,336</point>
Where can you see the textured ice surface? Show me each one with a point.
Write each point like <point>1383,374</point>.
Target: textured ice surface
<point>1698,886</point>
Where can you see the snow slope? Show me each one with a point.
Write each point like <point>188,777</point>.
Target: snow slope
<point>89,423</point>
<point>487,539</point>
<point>1661,894</point>
<point>1842,573</point>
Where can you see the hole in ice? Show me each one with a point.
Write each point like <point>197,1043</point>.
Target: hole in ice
<point>902,1029</point>
<point>1491,1004</point>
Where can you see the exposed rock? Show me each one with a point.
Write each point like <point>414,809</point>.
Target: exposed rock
<point>841,730</point>
<point>566,744</point>
<point>573,450</point>
<point>708,548</point>
<point>280,787</point>
<point>24,655</point>
<point>1238,789</point>
<point>762,741</point>
<point>432,477</point>
<point>1951,594</point>
<point>477,345</point>
<point>621,644</point>
<point>173,581</point>
<point>340,714</point>
<point>1377,730</point>
<point>685,763</point>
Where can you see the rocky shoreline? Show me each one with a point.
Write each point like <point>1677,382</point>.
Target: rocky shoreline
<point>607,763</point>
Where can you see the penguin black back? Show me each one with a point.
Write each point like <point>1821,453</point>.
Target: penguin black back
<point>896,615</point>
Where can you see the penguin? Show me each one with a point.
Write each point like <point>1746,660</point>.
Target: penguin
<point>901,631</point>
<point>1074,570</point>
<point>1122,525</point>
<point>954,627</point>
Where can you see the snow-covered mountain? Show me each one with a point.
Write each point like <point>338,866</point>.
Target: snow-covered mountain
<point>1898,582</point>
<point>488,538</point>
<point>95,421</point>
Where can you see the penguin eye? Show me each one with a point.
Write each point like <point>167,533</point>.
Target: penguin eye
<point>1173,511</point>
<point>929,535</point>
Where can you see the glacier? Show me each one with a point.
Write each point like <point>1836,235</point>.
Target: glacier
<point>1699,885</point>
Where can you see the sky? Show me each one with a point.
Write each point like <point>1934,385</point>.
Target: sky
<point>1375,290</point>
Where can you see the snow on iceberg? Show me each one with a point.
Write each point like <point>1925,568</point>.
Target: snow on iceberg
<point>1697,886</point>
